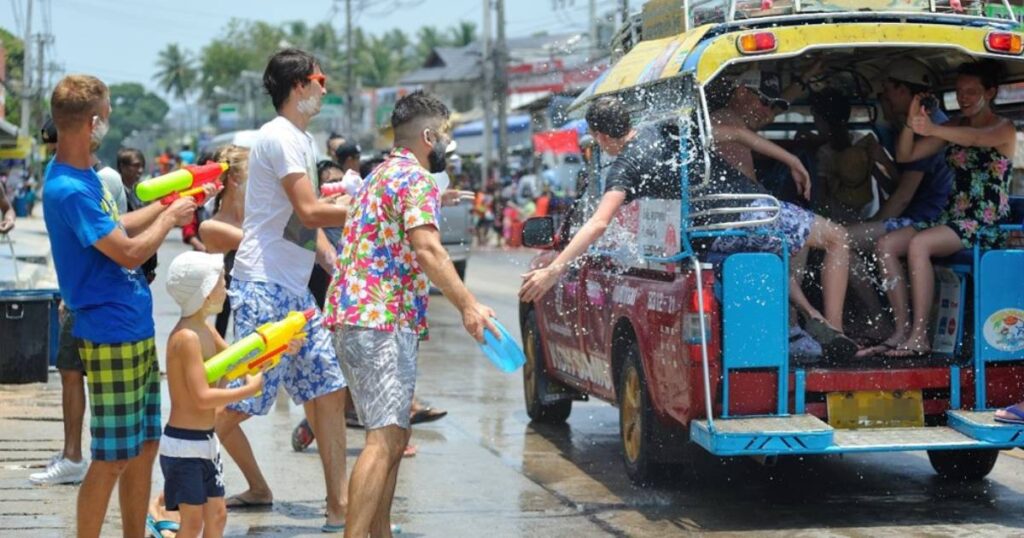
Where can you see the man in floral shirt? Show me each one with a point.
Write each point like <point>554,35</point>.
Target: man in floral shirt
<point>377,302</point>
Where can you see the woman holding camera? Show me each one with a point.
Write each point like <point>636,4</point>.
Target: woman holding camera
<point>979,148</point>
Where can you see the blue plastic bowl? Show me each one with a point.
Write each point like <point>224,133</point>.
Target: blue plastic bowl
<point>505,353</point>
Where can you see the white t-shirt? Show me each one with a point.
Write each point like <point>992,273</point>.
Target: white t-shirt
<point>112,180</point>
<point>276,248</point>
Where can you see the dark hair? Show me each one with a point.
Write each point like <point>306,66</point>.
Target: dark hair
<point>48,134</point>
<point>125,154</point>
<point>417,105</point>
<point>833,106</point>
<point>332,137</point>
<point>609,116</point>
<point>367,167</point>
<point>989,72</point>
<point>285,69</point>
<point>325,166</point>
<point>346,150</point>
<point>914,89</point>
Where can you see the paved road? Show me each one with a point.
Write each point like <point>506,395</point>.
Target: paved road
<point>485,471</point>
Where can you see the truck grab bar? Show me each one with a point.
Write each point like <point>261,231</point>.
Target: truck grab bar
<point>771,211</point>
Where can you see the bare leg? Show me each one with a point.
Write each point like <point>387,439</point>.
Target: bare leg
<point>72,388</point>
<point>835,272</point>
<point>889,250</point>
<point>863,237</point>
<point>215,517</point>
<point>94,495</point>
<point>133,490</point>
<point>381,525</point>
<point>192,516</point>
<point>236,444</point>
<point>933,242</point>
<point>326,415</point>
<point>370,474</point>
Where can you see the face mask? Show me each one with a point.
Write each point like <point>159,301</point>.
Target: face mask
<point>442,180</point>
<point>436,158</point>
<point>309,106</point>
<point>99,129</point>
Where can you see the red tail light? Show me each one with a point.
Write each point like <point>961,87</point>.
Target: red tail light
<point>695,301</point>
<point>1004,43</point>
<point>757,43</point>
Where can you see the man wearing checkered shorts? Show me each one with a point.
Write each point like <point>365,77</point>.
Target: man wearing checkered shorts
<point>97,253</point>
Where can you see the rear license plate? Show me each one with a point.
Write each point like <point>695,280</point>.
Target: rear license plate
<point>875,409</point>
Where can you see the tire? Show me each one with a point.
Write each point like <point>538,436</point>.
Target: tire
<point>636,420</point>
<point>460,268</point>
<point>963,465</point>
<point>536,381</point>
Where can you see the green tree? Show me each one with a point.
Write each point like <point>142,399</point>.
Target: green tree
<point>176,73</point>
<point>15,51</point>
<point>463,34</point>
<point>134,110</point>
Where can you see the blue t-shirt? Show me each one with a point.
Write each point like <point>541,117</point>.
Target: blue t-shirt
<point>932,193</point>
<point>111,304</point>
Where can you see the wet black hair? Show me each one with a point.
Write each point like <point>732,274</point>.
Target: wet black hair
<point>989,72</point>
<point>417,105</point>
<point>367,167</point>
<point>285,69</point>
<point>831,105</point>
<point>326,165</point>
<point>48,134</point>
<point>346,150</point>
<point>607,115</point>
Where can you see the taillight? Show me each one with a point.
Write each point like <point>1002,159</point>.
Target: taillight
<point>1004,43</point>
<point>757,43</point>
<point>695,301</point>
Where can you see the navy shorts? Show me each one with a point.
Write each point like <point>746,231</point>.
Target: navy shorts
<point>190,461</point>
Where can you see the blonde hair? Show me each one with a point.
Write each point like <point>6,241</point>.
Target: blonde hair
<point>76,99</point>
<point>237,158</point>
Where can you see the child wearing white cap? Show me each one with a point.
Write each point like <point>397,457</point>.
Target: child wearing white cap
<point>189,450</point>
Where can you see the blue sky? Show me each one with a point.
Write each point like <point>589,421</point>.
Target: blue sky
<point>118,40</point>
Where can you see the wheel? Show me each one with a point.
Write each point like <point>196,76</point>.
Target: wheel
<point>460,268</point>
<point>963,465</point>
<point>636,420</point>
<point>536,382</point>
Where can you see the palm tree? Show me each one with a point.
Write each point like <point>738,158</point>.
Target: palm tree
<point>463,34</point>
<point>177,74</point>
<point>428,38</point>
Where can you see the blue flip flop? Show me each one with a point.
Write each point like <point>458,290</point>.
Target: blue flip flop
<point>331,529</point>
<point>156,528</point>
<point>504,353</point>
<point>1015,411</point>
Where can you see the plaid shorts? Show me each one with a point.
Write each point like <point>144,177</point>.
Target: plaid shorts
<point>124,397</point>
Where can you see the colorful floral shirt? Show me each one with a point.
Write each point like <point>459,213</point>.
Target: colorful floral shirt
<point>377,281</point>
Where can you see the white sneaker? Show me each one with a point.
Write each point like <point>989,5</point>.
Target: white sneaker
<point>62,471</point>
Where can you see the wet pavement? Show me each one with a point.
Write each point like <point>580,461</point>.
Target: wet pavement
<point>485,471</point>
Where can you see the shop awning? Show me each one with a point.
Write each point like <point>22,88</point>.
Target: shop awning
<point>558,142</point>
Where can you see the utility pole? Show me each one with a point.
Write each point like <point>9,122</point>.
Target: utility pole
<point>501,74</point>
<point>625,11</point>
<point>486,61</point>
<point>350,80</point>
<point>26,75</point>
<point>595,47</point>
<point>40,89</point>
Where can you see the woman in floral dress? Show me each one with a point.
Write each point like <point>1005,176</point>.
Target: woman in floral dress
<point>979,147</point>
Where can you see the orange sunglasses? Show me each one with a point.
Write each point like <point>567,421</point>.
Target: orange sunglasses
<point>319,77</point>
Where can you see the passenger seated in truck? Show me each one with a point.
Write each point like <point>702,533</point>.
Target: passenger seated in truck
<point>918,194</point>
<point>979,147</point>
<point>739,108</point>
<point>646,165</point>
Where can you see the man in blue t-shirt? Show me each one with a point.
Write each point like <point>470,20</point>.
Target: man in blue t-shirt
<point>97,253</point>
<point>920,192</point>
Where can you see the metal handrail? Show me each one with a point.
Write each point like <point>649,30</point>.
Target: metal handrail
<point>704,343</point>
<point>772,210</point>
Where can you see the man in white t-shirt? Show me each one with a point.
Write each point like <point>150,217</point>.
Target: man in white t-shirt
<point>281,241</point>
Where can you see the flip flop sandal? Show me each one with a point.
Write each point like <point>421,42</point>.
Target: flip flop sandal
<point>166,525</point>
<point>1013,410</point>
<point>242,504</point>
<point>334,529</point>
<point>834,344</point>
<point>427,414</point>
<point>302,436</point>
<point>151,529</point>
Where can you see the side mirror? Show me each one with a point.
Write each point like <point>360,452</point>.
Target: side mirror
<point>539,232</point>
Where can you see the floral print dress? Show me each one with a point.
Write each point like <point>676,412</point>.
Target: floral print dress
<point>980,200</point>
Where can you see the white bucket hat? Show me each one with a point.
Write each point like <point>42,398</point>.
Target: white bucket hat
<point>191,277</point>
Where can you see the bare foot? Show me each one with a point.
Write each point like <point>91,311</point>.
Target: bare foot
<point>913,347</point>
<point>1013,414</point>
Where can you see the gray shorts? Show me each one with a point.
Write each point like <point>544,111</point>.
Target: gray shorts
<point>67,347</point>
<point>380,368</point>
